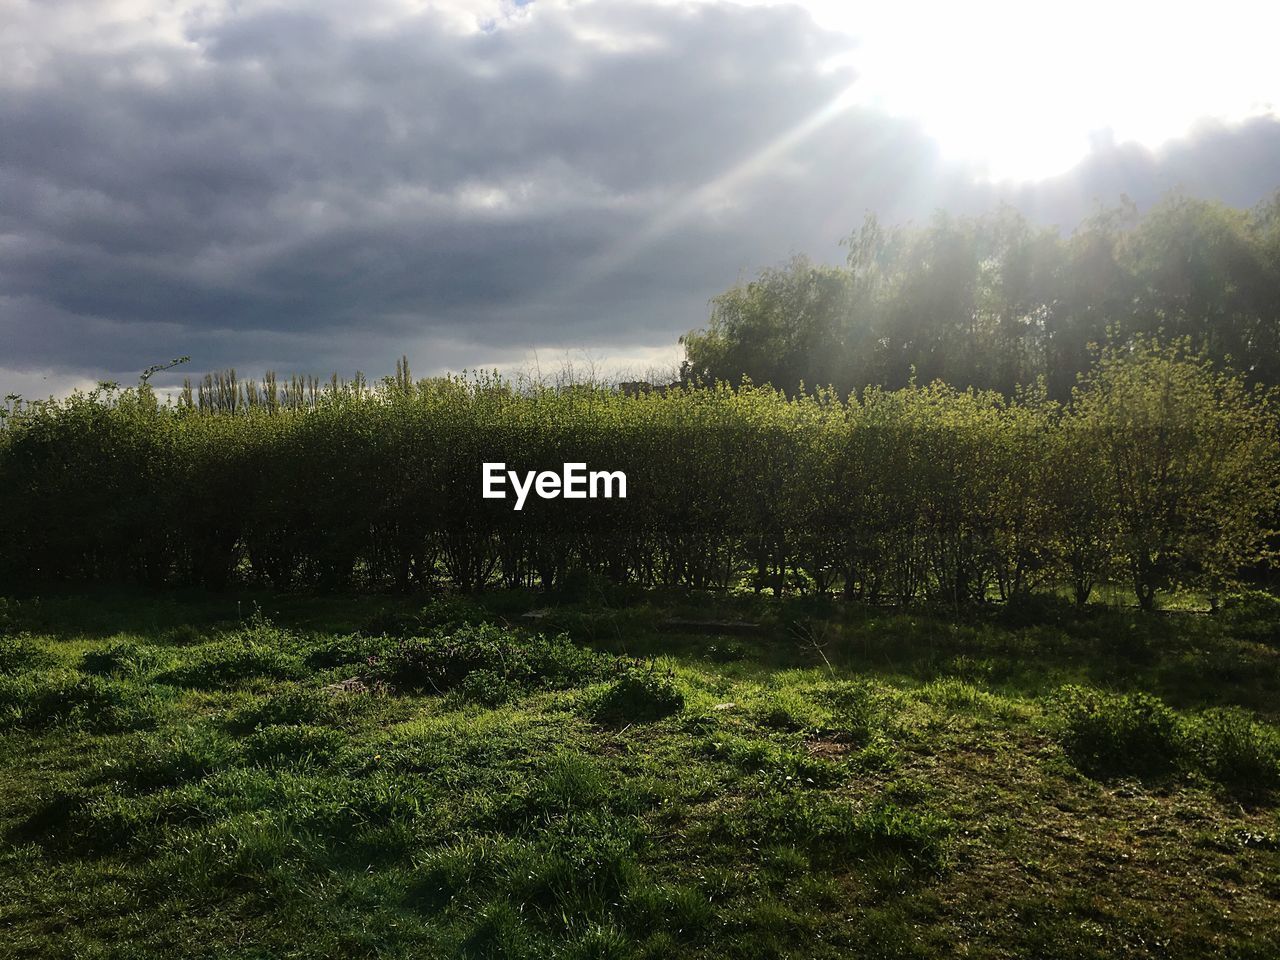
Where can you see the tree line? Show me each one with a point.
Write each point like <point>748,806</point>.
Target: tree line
<point>1160,470</point>
<point>995,302</point>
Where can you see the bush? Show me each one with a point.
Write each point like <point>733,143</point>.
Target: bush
<point>37,701</point>
<point>487,688</point>
<point>443,663</point>
<point>1116,734</point>
<point>848,494</point>
<point>1231,747</point>
<point>640,695</point>
<point>1253,615</point>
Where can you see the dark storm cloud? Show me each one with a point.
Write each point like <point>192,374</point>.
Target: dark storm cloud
<point>300,188</point>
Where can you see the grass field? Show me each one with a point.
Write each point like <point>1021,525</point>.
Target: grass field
<point>290,776</point>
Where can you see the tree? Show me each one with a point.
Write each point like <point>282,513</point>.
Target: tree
<point>1191,463</point>
<point>994,302</point>
<point>784,328</point>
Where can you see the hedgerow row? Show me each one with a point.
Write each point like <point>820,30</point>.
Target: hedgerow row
<point>1161,472</point>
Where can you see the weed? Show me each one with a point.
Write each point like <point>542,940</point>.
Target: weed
<point>233,660</point>
<point>1118,734</point>
<point>1230,746</point>
<point>640,695</point>
<point>441,663</point>
<point>295,704</point>
<point>122,659</point>
<point>37,701</point>
<point>19,653</point>
<point>170,758</point>
<point>293,744</point>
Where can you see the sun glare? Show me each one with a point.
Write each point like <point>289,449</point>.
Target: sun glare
<point>1021,91</point>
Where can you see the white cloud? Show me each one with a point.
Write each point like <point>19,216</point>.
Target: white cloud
<point>323,184</point>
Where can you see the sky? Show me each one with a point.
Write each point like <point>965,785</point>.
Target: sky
<point>324,185</point>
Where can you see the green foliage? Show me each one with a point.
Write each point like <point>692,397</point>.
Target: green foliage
<point>294,817</point>
<point>489,655</point>
<point>293,743</point>
<point>1118,734</point>
<point>257,650</point>
<point>295,704</point>
<point>1136,734</point>
<point>995,301</point>
<point>830,829</point>
<point>1190,459</point>
<point>228,662</point>
<point>1232,747</point>
<point>1161,466</point>
<point>173,757</point>
<point>123,659</point>
<point>41,700</point>
<point>639,695</point>
<point>19,653</point>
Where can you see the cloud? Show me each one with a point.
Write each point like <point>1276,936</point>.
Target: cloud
<point>326,185</point>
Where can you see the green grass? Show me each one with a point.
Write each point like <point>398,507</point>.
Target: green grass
<point>298,776</point>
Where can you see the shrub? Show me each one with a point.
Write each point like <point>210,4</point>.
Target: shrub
<point>1116,734</point>
<point>848,494</point>
<point>1230,746</point>
<point>444,662</point>
<point>640,695</point>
